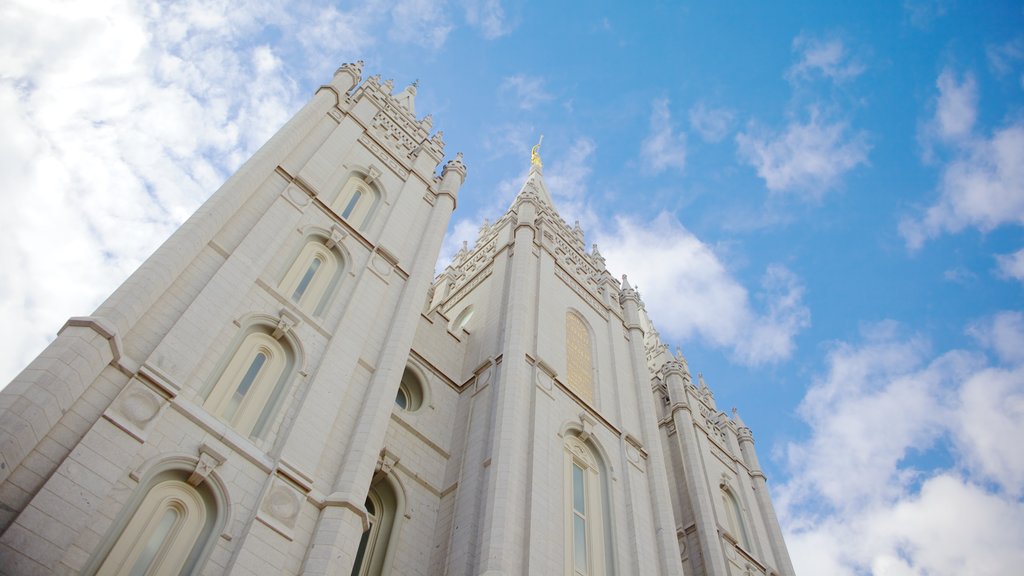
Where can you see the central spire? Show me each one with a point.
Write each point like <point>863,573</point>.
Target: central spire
<point>535,179</point>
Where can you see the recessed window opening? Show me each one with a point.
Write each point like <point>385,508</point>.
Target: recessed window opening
<point>306,279</point>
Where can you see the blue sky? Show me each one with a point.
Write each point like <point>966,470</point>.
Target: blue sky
<point>821,203</point>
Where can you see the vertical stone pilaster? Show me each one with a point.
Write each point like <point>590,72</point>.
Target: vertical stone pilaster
<point>697,487</point>
<point>341,522</point>
<point>764,503</point>
<point>657,473</point>
<point>505,521</point>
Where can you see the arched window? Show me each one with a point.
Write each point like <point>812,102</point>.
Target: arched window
<point>381,506</point>
<point>312,277</point>
<point>588,549</point>
<point>734,517</point>
<point>579,357</point>
<point>249,389</point>
<point>357,201</point>
<point>166,534</point>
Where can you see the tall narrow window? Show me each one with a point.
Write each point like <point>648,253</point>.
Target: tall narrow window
<point>579,357</point>
<point>352,203</point>
<point>312,277</point>
<point>248,390</point>
<point>381,507</point>
<point>734,518</point>
<point>165,534</point>
<point>588,547</point>
<point>306,279</point>
<point>357,201</point>
<point>579,520</point>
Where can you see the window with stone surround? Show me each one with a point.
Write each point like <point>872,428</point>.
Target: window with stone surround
<point>313,276</point>
<point>249,390</point>
<point>588,548</point>
<point>357,202</point>
<point>381,507</point>
<point>165,534</point>
<point>734,517</point>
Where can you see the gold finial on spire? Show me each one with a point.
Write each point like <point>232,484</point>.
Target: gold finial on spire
<point>534,156</point>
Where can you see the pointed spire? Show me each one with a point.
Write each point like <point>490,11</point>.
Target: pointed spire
<point>736,418</point>
<point>535,155</point>
<point>535,179</point>
<point>407,98</point>
<point>625,283</point>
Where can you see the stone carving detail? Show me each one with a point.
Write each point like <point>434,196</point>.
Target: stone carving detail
<point>140,406</point>
<point>283,504</point>
<point>583,293</point>
<point>209,460</point>
<point>136,409</point>
<point>383,155</point>
<point>392,133</point>
<point>380,265</point>
<point>467,288</point>
<point>297,196</point>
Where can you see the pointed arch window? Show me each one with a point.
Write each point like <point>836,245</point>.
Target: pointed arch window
<point>313,276</point>
<point>734,517</point>
<point>250,388</point>
<point>165,535</point>
<point>588,548</point>
<point>357,201</point>
<point>381,506</point>
<point>579,357</point>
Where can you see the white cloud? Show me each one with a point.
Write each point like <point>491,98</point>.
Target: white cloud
<point>488,16</point>
<point>950,527</point>
<point>862,500</point>
<point>956,107</point>
<point>663,148</point>
<point>566,178</point>
<point>463,231</point>
<point>806,158</point>
<point>1003,333</point>
<point>422,22</point>
<point>120,118</point>
<point>983,184</point>
<point>1012,265</point>
<point>527,91</point>
<point>828,57</point>
<point>713,124</point>
<point>923,12</point>
<point>687,288</point>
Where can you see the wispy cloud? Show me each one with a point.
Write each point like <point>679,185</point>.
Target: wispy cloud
<point>527,92</point>
<point>854,480</point>
<point>691,293</point>
<point>1011,265</point>
<point>423,22</point>
<point>982,185</point>
<point>828,57</point>
<point>664,147</point>
<point>921,13</point>
<point>489,17</point>
<point>807,158</point>
<point>1006,58</point>
<point>713,124</point>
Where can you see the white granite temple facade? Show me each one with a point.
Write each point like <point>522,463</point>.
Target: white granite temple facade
<point>284,387</point>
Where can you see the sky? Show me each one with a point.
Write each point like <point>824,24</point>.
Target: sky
<point>821,204</point>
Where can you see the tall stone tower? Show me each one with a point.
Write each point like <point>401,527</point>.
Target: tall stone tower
<point>283,389</point>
